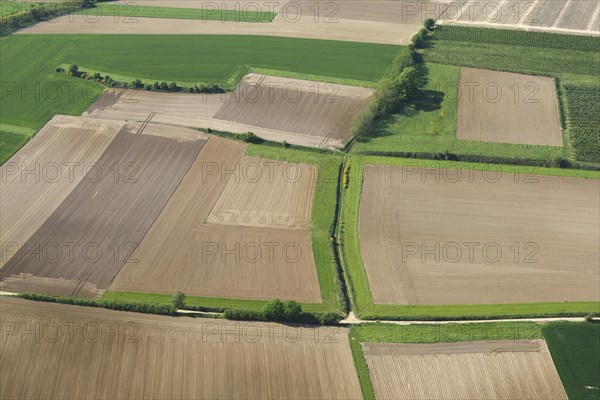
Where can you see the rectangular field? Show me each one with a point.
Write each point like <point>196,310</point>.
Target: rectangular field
<point>128,355</point>
<point>37,179</point>
<point>266,193</point>
<point>469,237</point>
<point>507,108</point>
<point>183,252</point>
<point>83,244</point>
<point>501,369</point>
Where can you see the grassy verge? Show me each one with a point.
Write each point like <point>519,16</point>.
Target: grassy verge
<point>11,140</point>
<point>385,333</point>
<point>575,349</point>
<point>428,124</point>
<point>130,12</point>
<point>318,78</point>
<point>359,286</point>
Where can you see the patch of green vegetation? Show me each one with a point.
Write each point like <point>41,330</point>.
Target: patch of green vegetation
<point>323,213</point>
<point>575,349</point>
<point>583,121</point>
<point>14,7</point>
<point>129,12</point>
<point>428,125</point>
<point>358,282</point>
<point>11,140</point>
<point>387,333</point>
<point>317,78</point>
<point>516,51</point>
<point>33,91</point>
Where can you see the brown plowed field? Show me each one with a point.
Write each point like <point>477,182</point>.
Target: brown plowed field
<point>88,353</point>
<point>90,235</point>
<point>293,105</point>
<point>465,237</point>
<point>269,194</point>
<point>37,179</point>
<point>182,252</point>
<point>468,370</point>
<point>507,108</point>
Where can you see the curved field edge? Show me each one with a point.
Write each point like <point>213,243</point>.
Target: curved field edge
<point>419,333</point>
<point>130,11</point>
<point>358,282</point>
<point>323,217</point>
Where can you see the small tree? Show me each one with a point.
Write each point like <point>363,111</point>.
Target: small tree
<point>156,86</point>
<point>429,23</point>
<point>178,300</point>
<point>137,84</point>
<point>173,87</point>
<point>274,311</point>
<point>291,310</point>
<point>164,86</point>
<point>73,70</point>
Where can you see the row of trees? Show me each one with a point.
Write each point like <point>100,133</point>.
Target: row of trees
<point>106,80</point>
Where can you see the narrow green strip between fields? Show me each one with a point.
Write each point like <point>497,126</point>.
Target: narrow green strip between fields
<point>359,286</point>
<point>316,78</point>
<point>128,12</point>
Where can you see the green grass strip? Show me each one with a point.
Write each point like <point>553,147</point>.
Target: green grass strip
<point>129,12</point>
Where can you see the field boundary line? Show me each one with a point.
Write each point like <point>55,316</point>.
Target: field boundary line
<point>561,13</point>
<point>594,16</point>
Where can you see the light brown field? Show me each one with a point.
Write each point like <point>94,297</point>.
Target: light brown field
<point>37,179</point>
<point>533,238</point>
<point>195,111</point>
<point>387,22</point>
<point>468,370</point>
<point>507,108</point>
<point>88,353</point>
<point>267,193</point>
<point>295,105</point>
<point>183,252</point>
<point>83,244</point>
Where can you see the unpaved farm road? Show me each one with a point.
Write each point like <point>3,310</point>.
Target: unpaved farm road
<point>352,320</point>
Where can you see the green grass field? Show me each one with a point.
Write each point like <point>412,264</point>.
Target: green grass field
<point>133,10</point>
<point>385,333</point>
<point>575,349</point>
<point>359,285</point>
<point>428,125</point>
<point>323,217</point>
<point>32,91</point>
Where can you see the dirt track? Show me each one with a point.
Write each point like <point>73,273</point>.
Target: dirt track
<point>85,241</point>
<point>477,239</point>
<point>507,108</point>
<point>126,355</point>
<point>501,370</point>
<point>41,175</point>
<point>182,252</point>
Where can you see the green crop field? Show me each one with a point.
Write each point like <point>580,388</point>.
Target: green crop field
<point>584,121</point>
<point>32,92</point>
<point>130,11</point>
<point>575,349</point>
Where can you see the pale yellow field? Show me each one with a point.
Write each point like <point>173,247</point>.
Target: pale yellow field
<point>76,352</point>
<point>467,370</point>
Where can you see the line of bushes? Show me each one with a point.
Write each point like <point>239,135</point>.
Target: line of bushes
<point>146,308</point>
<point>556,163</point>
<point>172,87</point>
<point>283,311</point>
<point>40,12</point>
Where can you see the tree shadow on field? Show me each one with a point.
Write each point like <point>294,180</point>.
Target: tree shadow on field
<point>424,100</point>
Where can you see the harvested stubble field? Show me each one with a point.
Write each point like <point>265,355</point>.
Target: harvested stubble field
<point>84,242</point>
<point>267,193</point>
<point>507,108</point>
<point>273,108</point>
<point>503,369</point>
<point>128,355</point>
<point>389,22</point>
<point>37,179</point>
<point>535,238</point>
<point>183,252</point>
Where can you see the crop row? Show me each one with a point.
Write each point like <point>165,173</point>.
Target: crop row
<point>583,121</point>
